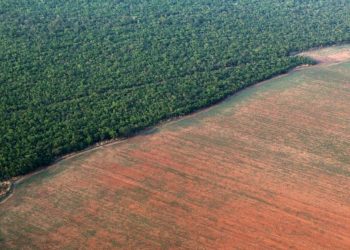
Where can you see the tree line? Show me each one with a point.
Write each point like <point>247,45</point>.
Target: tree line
<point>73,73</point>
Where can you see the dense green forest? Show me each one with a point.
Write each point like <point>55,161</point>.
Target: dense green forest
<point>73,73</point>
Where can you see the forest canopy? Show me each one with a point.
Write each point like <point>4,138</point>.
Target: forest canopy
<point>73,73</point>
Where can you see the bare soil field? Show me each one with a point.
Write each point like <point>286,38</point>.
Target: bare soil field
<point>267,168</point>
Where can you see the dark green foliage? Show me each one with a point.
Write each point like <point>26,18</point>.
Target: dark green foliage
<point>76,72</point>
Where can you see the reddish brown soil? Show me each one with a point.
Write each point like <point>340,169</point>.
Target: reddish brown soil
<point>269,168</point>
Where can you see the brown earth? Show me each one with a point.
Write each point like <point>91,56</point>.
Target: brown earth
<point>268,168</point>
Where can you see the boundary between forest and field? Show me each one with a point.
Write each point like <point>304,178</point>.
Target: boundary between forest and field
<point>9,186</point>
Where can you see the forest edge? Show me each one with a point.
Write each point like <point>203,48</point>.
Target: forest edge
<point>7,187</point>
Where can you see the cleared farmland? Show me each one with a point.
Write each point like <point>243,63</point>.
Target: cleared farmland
<point>268,168</point>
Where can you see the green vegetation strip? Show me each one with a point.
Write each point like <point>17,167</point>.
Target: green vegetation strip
<point>73,73</point>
